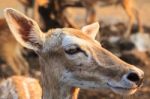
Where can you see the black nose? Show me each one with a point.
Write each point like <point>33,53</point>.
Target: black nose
<point>134,77</point>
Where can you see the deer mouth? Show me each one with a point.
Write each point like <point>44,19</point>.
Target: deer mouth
<point>122,90</point>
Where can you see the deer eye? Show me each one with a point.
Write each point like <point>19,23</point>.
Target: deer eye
<point>72,50</point>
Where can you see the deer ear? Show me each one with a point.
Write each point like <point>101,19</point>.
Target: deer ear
<point>91,29</point>
<point>25,30</point>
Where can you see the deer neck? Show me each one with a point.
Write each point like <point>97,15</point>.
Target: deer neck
<point>52,87</point>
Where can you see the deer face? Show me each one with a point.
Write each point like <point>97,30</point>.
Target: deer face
<point>83,61</point>
<point>91,66</point>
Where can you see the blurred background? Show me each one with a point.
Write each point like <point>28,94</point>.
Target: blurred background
<point>125,31</point>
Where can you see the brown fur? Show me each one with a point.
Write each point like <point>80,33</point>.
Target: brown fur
<point>75,93</point>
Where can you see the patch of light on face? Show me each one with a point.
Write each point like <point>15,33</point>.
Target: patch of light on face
<point>67,40</point>
<point>79,57</point>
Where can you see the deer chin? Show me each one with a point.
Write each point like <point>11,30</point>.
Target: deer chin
<point>122,90</point>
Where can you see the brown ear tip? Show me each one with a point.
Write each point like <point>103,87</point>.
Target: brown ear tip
<point>8,10</point>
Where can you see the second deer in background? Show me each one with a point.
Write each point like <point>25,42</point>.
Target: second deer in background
<point>11,51</point>
<point>128,6</point>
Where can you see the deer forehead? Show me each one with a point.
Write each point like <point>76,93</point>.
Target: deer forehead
<point>56,42</point>
<point>68,40</point>
<point>58,38</point>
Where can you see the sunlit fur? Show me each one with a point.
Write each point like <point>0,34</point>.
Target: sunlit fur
<point>19,87</point>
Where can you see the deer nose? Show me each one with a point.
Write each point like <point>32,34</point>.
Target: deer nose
<point>135,78</point>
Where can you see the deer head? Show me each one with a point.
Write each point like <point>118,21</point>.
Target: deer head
<point>73,58</point>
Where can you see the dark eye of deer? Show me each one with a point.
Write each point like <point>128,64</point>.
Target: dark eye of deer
<point>73,50</point>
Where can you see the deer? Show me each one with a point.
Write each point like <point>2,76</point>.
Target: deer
<point>12,51</point>
<point>20,87</point>
<point>127,5</point>
<point>72,58</point>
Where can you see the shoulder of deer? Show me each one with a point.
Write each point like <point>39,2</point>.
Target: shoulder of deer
<point>19,87</point>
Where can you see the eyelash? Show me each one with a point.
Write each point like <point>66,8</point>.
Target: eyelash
<point>72,51</point>
<point>75,51</point>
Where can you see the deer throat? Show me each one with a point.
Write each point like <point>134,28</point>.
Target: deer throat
<point>52,87</point>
